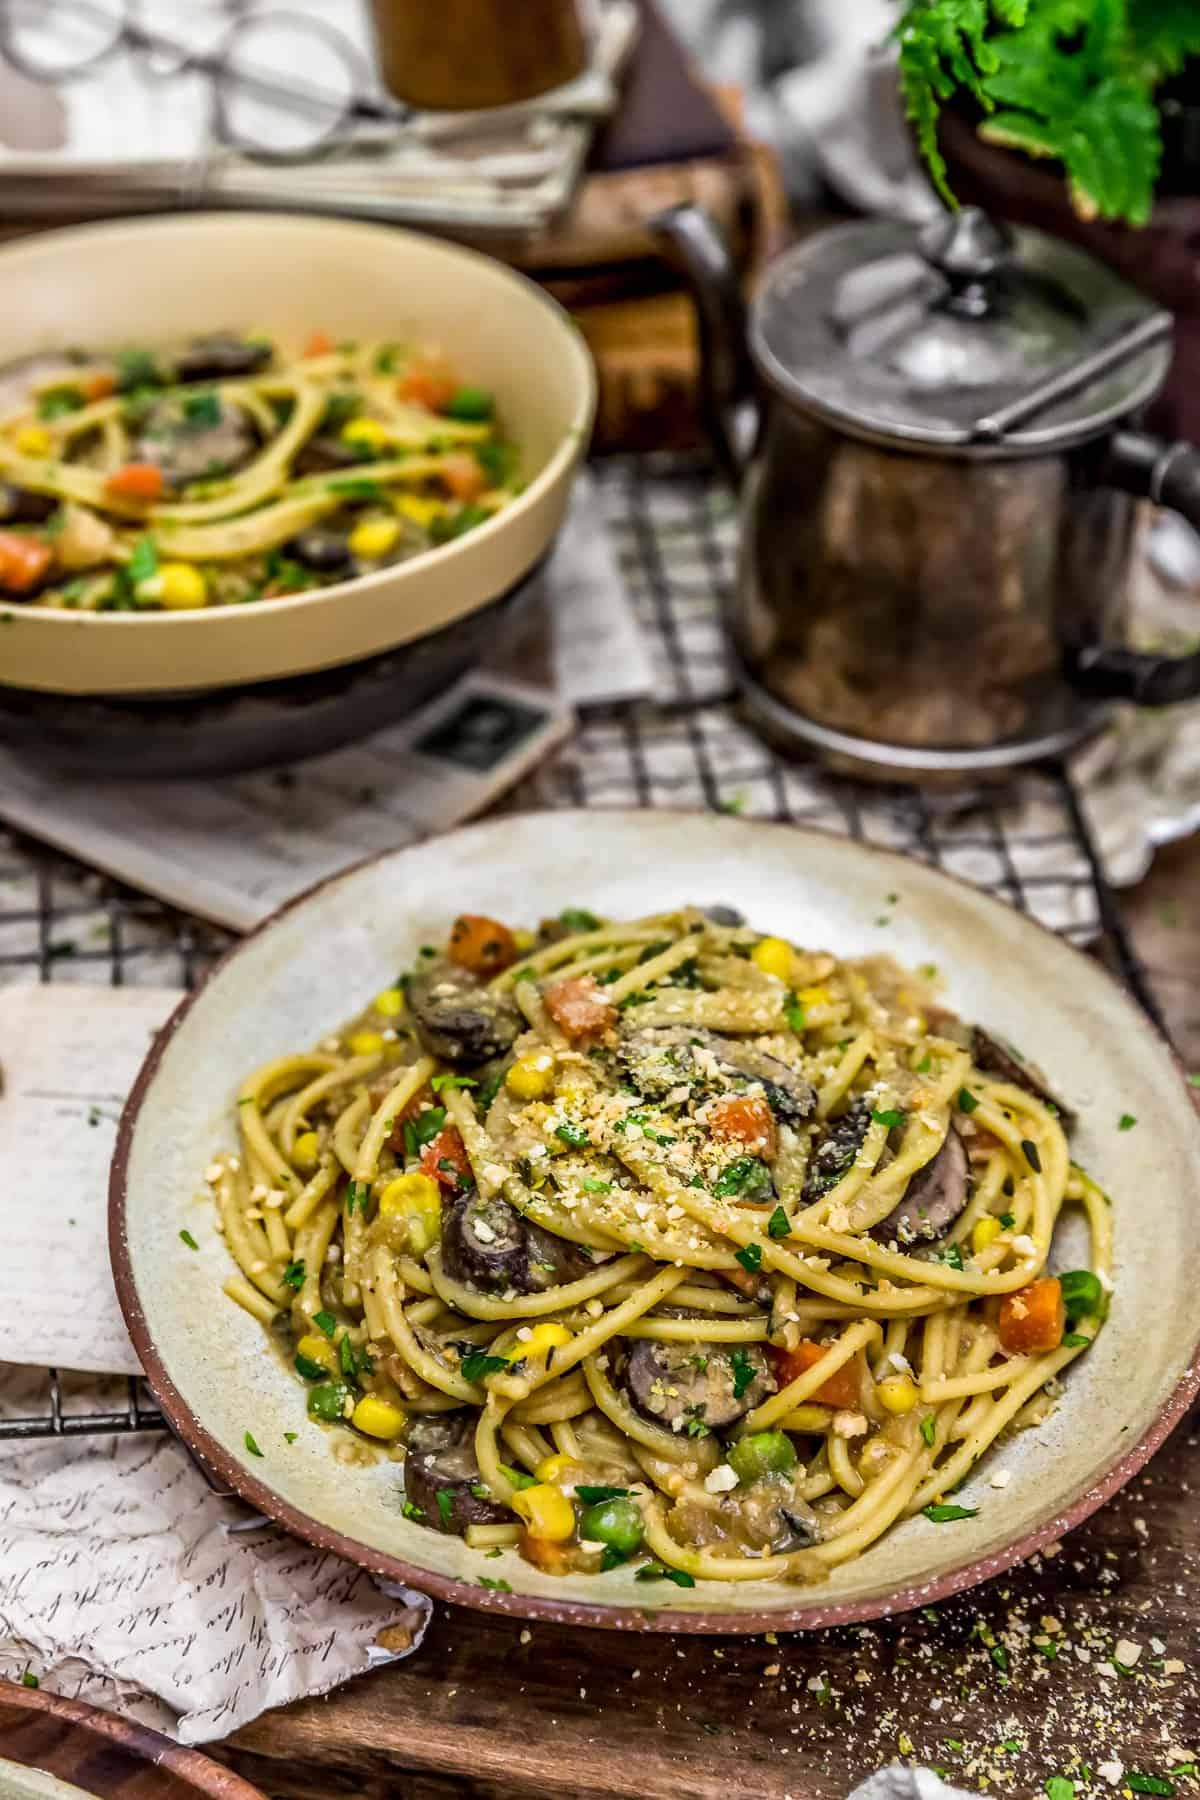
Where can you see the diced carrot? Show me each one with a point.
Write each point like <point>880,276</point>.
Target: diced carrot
<point>746,1117</point>
<point>580,1008</point>
<point>317,343</point>
<point>136,481</point>
<point>1033,1318</point>
<point>481,944</point>
<point>428,384</point>
<point>463,476</point>
<point>843,1388</point>
<point>98,386</point>
<point>23,561</point>
<point>445,1158</point>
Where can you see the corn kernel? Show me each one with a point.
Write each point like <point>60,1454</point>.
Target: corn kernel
<point>774,957</point>
<point>543,1338</point>
<point>985,1232</point>
<point>897,1394</point>
<point>180,587</point>
<point>366,431</point>
<point>532,1077</point>
<point>815,996</point>
<point>524,941</point>
<point>554,1467</point>
<point>417,1199</point>
<point>365,1043</point>
<point>373,538</point>
<point>318,1350</point>
<point>306,1149</point>
<point>546,1511</point>
<point>378,1418</point>
<point>390,1002</point>
<point>34,440</point>
<point>421,510</point>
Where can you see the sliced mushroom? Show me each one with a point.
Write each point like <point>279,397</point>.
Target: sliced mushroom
<point>19,507</point>
<point>459,1020</point>
<point>658,1058</point>
<point>440,1460</point>
<point>324,453</point>
<point>728,916</point>
<point>696,1385</point>
<point>988,1053</point>
<point>836,1151</point>
<point>933,1199</point>
<point>489,1246</point>
<point>195,437</point>
<point>219,357</point>
<point>799,1526</point>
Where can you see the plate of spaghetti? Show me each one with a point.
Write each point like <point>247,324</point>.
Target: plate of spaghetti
<point>235,448</point>
<point>694,1224</point>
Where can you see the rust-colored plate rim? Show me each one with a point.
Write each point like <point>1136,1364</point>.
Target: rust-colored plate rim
<point>811,1616</point>
<point>138,1742</point>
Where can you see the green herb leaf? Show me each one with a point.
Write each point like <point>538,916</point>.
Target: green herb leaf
<point>925,1064</point>
<point>612,1558</point>
<point>794,1015</point>
<point>928,1429</point>
<point>427,1124</point>
<point>577,918</point>
<point>518,1478</point>
<point>952,1255</point>
<point>57,402</point>
<point>438,1082</point>
<point>967,1101</point>
<point>660,1572</point>
<point>471,403</point>
<point>311,1371</point>
<point>251,1446</point>
<point>136,369</point>
<point>290,1437</point>
<point>592,1186</point>
<point>143,561</point>
<point>1149,1784</point>
<point>748,1176</point>
<point>750,1257</point>
<point>445,1505</point>
<point>1126,1122</point>
<point>1007,1221</point>
<point>325,1322</point>
<point>479,1364</point>
<point>743,1372</point>
<point>358,1193</point>
<point>778,1225</point>
<point>1057,1787</point>
<point>189,1240</point>
<point>29,1679</point>
<point>942,1514</point>
<point>499,1586</point>
<point>893,1118</point>
<point>411,1510</point>
<point>574,1135</point>
<point>591,1496</point>
<point>1075,1340</point>
<point>355,487</point>
<point>202,410</point>
<point>293,1275</point>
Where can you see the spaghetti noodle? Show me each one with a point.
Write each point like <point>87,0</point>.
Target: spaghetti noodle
<point>230,470</point>
<point>663,1243</point>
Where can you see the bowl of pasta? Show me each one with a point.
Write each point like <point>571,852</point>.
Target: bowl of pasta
<point>651,1221</point>
<point>236,449</point>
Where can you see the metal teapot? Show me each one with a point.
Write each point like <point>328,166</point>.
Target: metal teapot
<point>938,506</point>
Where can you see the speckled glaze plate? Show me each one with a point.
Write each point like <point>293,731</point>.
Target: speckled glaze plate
<point>307,969</point>
<point>52,1748</point>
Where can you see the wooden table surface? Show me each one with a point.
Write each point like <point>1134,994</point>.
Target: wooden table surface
<point>491,1708</point>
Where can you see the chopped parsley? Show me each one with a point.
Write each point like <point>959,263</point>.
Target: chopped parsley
<point>479,1364</point>
<point>750,1257</point>
<point>1031,1155</point>
<point>356,487</point>
<point>953,1255</point>
<point>519,1479</point>
<point>893,1118</point>
<point>143,561</point>
<point>202,410</point>
<point>942,1514</point>
<point>794,1014</point>
<point>251,1446</point>
<point>293,1275</point>
<point>748,1176</point>
<point>29,1679</point>
<point>778,1225</point>
<point>1149,1784</point>
<point>1126,1122</point>
<point>925,1064</point>
<point>592,1186</point>
<point>592,1495</point>
<point>967,1101</point>
<point>577,918</point>
<point>439,1082</point>
<point>59,401</point>
<point>187,1238</point>
<point>743,1372</point>
<point>1057,1787</point>
<point>695,1427</point>
<point>612,1558</point>
<point>1075,1340</point>
<point>325,1323</point>
<point>660,1572</point>
<point>574,1135</point>
<point>497,1584</point>
<point>290,1436</point>
<point>445,1505</point>
<point>411,1510</point>
<point>928,1429</point>
<point>1007,1221</point>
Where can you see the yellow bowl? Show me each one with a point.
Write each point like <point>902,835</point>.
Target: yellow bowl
<point>159,280</point>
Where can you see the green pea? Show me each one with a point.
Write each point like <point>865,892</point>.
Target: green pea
<point>328,1401</point>
<point>472,403</point>
<point>764,1453</point>
<point>311,1371</point>
<point>1083,1297</point>
<point>617,1523</point>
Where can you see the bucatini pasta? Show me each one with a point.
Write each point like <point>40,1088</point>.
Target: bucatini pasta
<point>663,1243</point>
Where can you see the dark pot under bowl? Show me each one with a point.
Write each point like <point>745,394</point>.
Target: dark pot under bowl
<point>228,731</point>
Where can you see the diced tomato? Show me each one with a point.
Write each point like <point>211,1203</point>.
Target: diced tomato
<point>843,1388</point>
<point>463,476</point>
<point>445,1158</point>
<point>136,481</point>
<point>746,1117</point>
<point>1033,1318</point>
<point>23,561</point>
<point>98,386</point>
<point>317,343</point>
<point>428,384</point>
<point>580,1008</point>
<point>481,944</point>
<point>554,1558</point>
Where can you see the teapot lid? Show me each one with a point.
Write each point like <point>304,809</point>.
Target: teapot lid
<point>963,334</point>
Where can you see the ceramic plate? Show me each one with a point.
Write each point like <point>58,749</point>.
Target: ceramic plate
<point>308,969</point>
<point>57,1749</point>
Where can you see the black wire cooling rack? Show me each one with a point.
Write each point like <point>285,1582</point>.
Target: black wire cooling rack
<point>688,747</point>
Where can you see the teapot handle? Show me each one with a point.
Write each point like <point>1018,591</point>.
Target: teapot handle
<point>696,245</point>
<point>1168,474</point>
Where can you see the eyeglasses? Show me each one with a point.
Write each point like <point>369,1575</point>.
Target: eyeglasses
<point>259,105</point>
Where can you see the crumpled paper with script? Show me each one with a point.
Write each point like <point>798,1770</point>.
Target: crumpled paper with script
<point>127,1582</point>
<point>899,1782</point>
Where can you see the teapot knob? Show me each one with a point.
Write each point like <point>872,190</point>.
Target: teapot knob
<point>968,250</point>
